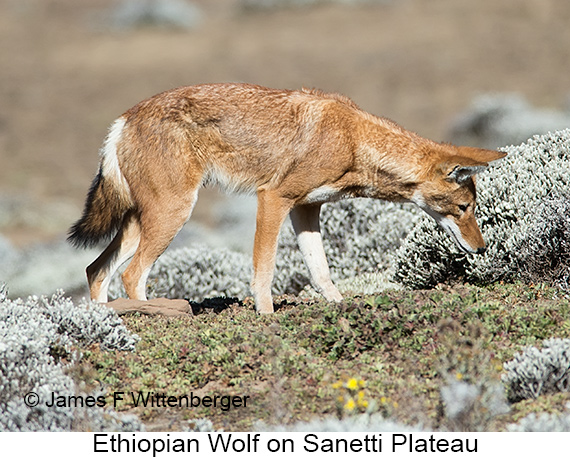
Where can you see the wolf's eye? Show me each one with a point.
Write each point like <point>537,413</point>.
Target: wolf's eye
<point>463,208</point>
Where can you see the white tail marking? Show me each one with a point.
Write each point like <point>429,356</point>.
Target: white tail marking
<point>109,160</point>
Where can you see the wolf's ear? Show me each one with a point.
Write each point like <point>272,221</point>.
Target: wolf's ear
<point>480,155</point>
<point>460,169</point>
<point>468,162</point>
<point>461,173</point>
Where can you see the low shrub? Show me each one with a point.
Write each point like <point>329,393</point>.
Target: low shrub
<point>546,422</point>
<point>195,273</point>
<point>535,372</point>
<point>523,209</point>
<point>37,341</point>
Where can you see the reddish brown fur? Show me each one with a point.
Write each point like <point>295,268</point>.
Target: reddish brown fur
<point>295,149</point>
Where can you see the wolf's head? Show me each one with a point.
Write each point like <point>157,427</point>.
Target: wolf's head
<point>447,192</point>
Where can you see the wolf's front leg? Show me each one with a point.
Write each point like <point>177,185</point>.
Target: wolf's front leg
<point>305,220</point>
<point>271,212</point>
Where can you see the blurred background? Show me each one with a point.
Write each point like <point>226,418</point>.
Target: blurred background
<point>483,72</point>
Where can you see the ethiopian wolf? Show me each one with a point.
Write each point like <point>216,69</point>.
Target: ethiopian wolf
<point>295,149</point>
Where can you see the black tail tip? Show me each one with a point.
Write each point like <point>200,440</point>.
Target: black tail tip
<point>78,238</point>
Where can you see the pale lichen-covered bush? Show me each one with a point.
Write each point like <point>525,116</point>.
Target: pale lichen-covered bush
<point>196,273</point>
<point>26,338</point>
<point>366,283</point>
<point>534,372</point>
<point>546,422</point>
<point>85,323</point>
<point>33,333</point>
<point>201,272</point>
<point>358,235</point>
<point>548,249</point>
<point>522,205</point>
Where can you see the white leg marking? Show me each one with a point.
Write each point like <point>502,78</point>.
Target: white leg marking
<point>306,226</point>
<point>261,287</point>
<point>141,286</point>
<point>114,263</point>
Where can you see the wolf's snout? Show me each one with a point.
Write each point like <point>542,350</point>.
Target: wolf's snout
<point>480,250</point>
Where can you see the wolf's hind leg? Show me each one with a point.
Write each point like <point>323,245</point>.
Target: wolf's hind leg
<point>160,220</point>
<point>121,249</point>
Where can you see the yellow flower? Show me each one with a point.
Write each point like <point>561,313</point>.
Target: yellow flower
<point>360,401</point>
<point>362,383</point>
<point>459,376</point>
<point>383,400</point>
<point>337,385</point>
<point>349,405</point>
<point>352,384</point>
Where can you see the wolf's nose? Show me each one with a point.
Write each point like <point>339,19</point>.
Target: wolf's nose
<point>481,250</point>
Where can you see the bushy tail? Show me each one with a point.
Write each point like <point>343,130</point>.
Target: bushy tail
<point>105,207</point>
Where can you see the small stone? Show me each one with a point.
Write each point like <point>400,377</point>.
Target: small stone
<point>156,306</point>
